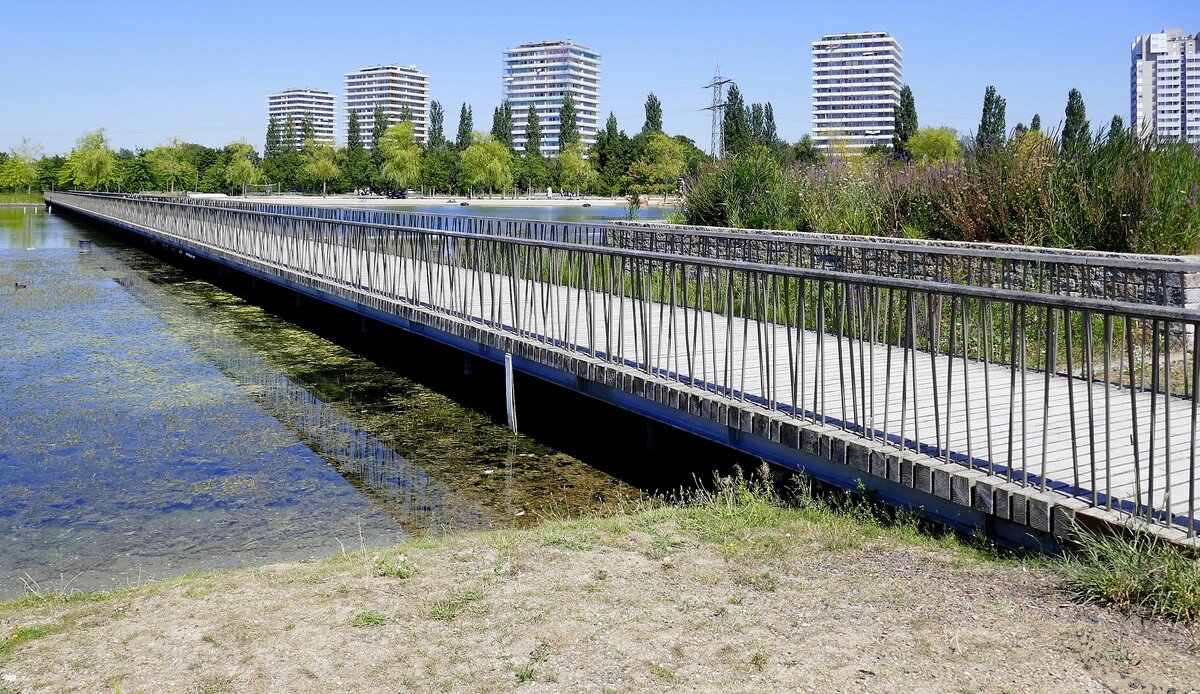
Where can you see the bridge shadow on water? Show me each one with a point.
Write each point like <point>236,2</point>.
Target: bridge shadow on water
<point>650,456</point>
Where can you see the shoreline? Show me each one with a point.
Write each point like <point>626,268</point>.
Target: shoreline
<point>729,596</point>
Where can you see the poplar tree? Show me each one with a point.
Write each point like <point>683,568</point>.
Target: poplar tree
<point>379,126</point>
<point>465,126</point>
<point>1075,134</point>
<point>533,133</point>
<point>568,132</point>
<point>437,125</point>
<point>991,123</point>
<point>653,115</point>
<point>271,149</point>
<point>358,162</point>
<point>770,134</point>
<point>1035,125</point>
<point>906,120</point>
<point>308,130</point>
<point>502,124</point>
<point>754,115</point>
<point>734,128</point>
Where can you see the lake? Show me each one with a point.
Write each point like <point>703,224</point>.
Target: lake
<point>155,424</point>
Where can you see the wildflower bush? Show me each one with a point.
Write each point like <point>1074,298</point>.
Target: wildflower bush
<point>1114,193</point>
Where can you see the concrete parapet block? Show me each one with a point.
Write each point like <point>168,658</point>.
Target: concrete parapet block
<point>1040,503</point>
<point>1063,517</point>
<point>962,486</point>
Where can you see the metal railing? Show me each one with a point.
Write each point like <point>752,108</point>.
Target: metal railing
<point>1080,397</point>
<point>1115,276</point>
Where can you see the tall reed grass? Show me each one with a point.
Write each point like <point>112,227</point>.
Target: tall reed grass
<point>1119,193</point>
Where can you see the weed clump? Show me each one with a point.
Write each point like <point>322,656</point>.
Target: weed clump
<point>1135,572</point>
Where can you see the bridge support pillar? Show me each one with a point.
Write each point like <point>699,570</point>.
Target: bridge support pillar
<point>509,399</point>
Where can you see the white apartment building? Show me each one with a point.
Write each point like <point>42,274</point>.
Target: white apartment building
<point>298,103</point>
<point>393,87</point>
<point>1164,85</point>
<point>539,76</point>
<point>856,89</point>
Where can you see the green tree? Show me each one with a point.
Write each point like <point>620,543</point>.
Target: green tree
<point>241,171</point>
<point>20,168</point>
<point>654,123</point>
<point>358,161</point>
<point>933,145</point>
<point>135,174</point>
<point>92,164</point>
<point>992,130</point>
<point>735,131</point>
<point>319,163</point>
<point>1076,131</point>
<point>770,134</point>
<point>437,125</point>
<point>1035,125</point>
<point>662,164</point>
<point>379,126</point>
<point>271,147</point>
<point>170,166</point>
<point>405,113</point>
<point>574,170</point>
<point>401,156</point>
<point>805,151</point>
<point>466,126</point>
<point>533,133</point>
<point>486,163</point>
<point>308,129</point>
<point>568,132</point>
<point>906,121</point>
<point>502,124</point>
<point>439,167</point>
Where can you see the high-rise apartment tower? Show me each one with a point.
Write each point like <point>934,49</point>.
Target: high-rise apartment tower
<point>296,104</point>
<point>393,87</point>
<point>856,90</point>
<point>539,76</point>
<point>1164,85</point>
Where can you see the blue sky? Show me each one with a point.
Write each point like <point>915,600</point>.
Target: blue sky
<point>201,70</point>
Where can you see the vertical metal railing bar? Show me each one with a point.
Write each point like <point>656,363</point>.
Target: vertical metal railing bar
<point>1137,479</point>
<point>1154,382</point>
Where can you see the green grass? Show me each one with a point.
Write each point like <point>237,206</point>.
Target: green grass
<point>370,619</point>
<point>449,607</point>
<point>25,634</point>
<point>1135,572</point>
<point>34,197</point>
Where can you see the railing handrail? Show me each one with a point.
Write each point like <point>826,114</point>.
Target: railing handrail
<point>1100,306</point>
<point>927,247</point>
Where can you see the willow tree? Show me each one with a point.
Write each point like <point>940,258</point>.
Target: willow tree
<point>574,170</point>
<point>92,164</point>
<point>487,163</point>
<point>20,168</point>
<point>241,171</point>
<point>319,163</point>
<point>401,156</point>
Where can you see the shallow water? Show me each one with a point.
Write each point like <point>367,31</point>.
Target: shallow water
<point>154,424</point>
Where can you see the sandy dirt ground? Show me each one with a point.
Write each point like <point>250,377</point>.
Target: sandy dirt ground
<point>645,602</point>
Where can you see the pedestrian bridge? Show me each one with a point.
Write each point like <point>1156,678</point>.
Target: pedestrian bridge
<point>1016,390</point>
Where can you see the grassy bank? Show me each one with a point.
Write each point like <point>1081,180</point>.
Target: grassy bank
<point>733,591</point>
<point>21,198</point>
